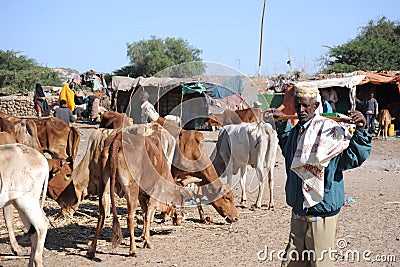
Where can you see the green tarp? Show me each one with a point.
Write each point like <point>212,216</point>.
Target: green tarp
<point>193,88</point>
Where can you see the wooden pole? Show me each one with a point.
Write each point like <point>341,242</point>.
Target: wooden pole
<point>158,98</point>
<point>180,123</point>
<point>261,38</point>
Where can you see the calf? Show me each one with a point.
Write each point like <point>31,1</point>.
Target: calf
<point>141,170</point>
<point>384,120</point>
<point>24,175</point>
<point>252,144</point>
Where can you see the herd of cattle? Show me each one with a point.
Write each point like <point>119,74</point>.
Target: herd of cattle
<point>151,164</point>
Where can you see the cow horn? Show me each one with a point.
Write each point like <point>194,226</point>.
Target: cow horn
<point>190,179</point>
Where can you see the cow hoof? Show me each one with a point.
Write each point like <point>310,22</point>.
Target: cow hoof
<point>148,245</point>
<point>90,255</point>
<point>132,254</point>
<point>18,252</point>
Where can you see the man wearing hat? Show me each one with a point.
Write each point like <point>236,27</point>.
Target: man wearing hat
<point>316,151</point>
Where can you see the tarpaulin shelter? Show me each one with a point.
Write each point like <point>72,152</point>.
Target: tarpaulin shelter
<point>345,88</point>
<point>186,98</point>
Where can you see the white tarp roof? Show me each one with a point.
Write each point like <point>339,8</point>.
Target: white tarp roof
<point>349,82</point>
<point>126,83</point>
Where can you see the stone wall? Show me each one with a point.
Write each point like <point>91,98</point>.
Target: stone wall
<point>22,106</point>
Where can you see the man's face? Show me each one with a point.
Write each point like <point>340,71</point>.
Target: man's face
<point>305,108</point>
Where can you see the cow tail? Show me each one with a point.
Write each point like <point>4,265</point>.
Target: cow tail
<point>113,159</point>
<point>44,191</point>
<point>272,150</point>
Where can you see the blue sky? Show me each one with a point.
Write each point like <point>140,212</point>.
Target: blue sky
<point>87,35</point>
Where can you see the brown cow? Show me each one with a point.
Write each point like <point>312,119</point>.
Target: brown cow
<point>384,120</point>
<point>86,176</point>
<point>190,142</point>
<point>113,120</point>
<point>57,138</point>
<point>192,162</point>
<point>148,180</point>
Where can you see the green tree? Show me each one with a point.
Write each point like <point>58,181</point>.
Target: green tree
<point>148,57</point>
<point>19,74</point>
<point>376,47</point>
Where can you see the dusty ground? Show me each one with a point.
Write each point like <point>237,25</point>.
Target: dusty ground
<point>371,223</point>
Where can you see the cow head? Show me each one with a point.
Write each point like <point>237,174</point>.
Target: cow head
<point>176,213</point>
<point>225,204</point>
<point>60,172</point>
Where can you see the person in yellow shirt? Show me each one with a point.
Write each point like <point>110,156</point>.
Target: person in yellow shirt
<point>68,95</point>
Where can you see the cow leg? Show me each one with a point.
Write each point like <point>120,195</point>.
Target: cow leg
<point>131,198</point>
<point>243,178</point>
<point>33,213</point>
<point>379,132</point>
<point>100,222</point>
<point>261,185</point>
<point>386,131</point>
<point>143,206</point>
<point>8,218</point>
<point>107,199</point>
<point>201,212</point>
<point>271,183</point>
<point>198,203</point>
<point>146,225</point>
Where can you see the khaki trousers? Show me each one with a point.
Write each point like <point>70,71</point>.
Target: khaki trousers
<point>309,239</point>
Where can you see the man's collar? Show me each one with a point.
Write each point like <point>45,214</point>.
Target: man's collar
<point>307,123</point>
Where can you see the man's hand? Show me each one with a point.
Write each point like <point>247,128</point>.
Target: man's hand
<point>275,112</point>
<point>357,118</point>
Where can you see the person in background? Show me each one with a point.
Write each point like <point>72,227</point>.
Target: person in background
<point>64,113</point>
<point>39,100</point>
<point>317,151</point>
<point>370,111</point>
<point>148,112</point>
<point>94,113</point>
<point>67,93</point>
<point>330,96</point>
<point>326,107</point>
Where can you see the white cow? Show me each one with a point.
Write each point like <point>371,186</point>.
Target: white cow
<point>245,144</point>
<point>24,172</point>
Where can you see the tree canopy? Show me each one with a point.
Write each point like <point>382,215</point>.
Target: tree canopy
<point>19,74</point>
<point>149,57</point>
<point>376,47</point>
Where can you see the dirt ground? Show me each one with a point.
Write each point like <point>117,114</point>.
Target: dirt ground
<point>368,227</point>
